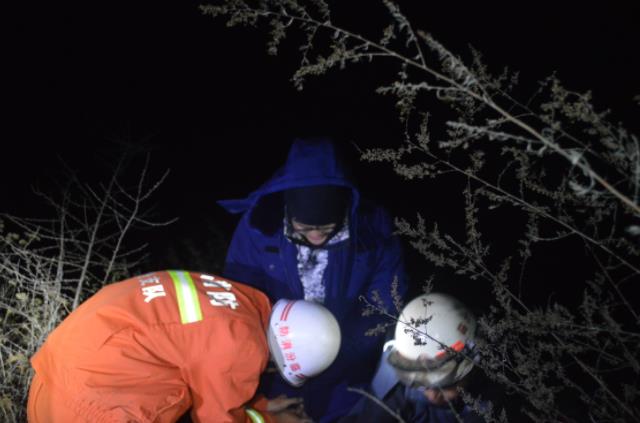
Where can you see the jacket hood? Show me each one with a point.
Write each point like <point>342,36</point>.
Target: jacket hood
<point>309,162</point>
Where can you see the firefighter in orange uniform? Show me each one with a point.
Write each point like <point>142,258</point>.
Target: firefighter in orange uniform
<point>152,347</point>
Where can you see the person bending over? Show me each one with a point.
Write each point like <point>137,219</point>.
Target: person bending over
<point>153,347</point>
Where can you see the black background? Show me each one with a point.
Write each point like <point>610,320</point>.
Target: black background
<point>212,106</point>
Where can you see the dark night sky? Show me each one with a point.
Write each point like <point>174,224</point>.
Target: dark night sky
<point>221,113</point>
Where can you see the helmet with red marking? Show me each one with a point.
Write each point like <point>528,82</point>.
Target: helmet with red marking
<point>304,339</point>
<point>434,343</point>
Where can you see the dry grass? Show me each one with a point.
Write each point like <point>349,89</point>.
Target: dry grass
<point>48,266</point>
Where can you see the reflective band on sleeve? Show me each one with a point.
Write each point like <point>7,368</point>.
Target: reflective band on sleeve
<point>188,301</point>
<point>254,415</point>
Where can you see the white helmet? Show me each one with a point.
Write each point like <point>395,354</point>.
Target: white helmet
<point>304,339</point>
<point>434,341</point>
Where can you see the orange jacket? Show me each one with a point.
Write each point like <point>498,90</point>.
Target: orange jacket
<point>150,347</point>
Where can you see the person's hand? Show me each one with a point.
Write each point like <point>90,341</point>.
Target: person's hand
<point>282,402</point>
<point>291,416</point>
<point>288,410</point>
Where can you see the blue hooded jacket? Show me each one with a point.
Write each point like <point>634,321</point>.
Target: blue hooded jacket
<point>368,261</point>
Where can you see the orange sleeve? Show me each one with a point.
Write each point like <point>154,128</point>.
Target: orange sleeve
<point>225,370</point>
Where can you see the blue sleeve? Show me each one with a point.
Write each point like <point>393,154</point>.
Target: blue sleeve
<point>358,347</point>
<point>243,262</point>
<point>359,353</point>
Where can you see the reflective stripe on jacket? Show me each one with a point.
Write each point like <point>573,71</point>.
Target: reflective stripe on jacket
<point>153,346</point>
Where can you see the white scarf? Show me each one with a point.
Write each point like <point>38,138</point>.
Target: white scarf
<point>312,263</point>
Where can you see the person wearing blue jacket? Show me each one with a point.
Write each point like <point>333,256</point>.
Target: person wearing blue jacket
<point>307,233</point>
